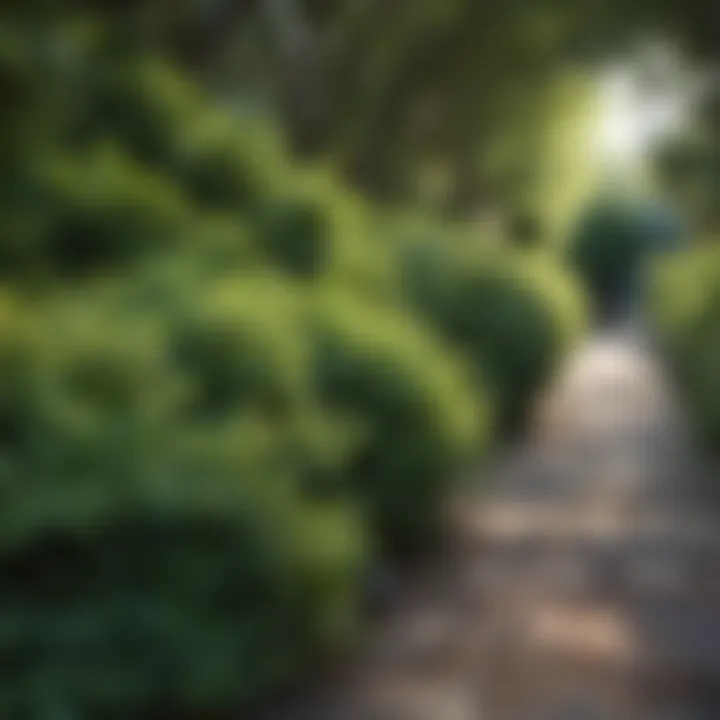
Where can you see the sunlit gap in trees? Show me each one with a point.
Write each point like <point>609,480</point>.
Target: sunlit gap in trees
<point>643,99</point>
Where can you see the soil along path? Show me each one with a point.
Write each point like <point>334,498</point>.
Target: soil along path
<point>583,580</point>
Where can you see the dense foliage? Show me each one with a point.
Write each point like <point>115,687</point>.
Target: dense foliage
<point>393,91</point>
<point>216,405</point>
<point>684,303</point>
<point>227,385</point>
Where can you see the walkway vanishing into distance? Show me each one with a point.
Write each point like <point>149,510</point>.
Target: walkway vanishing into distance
<point>582,580</point>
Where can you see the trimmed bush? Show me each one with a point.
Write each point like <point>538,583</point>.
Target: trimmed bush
<point>607,250</point>
<point>507,324</point>
<point>241,346</point>
<point>512,316</point>
<point>420,418</point>
<point>563,295</point>
<point>318,231</point>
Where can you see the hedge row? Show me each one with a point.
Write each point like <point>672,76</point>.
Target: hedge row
<point>225,388</point>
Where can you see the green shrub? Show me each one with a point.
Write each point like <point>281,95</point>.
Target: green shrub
<point>296,236</point>
<point>175,517</point>
<point>430,263</point>
<point>420,418</point>
<point>684,308</point>
<point>241,346</point>
<point>318,231</point>
<point>172,600</point>
<point>156,562</point>
<point>200,448</point>
<point>143,103</point>
<point>509,331</point>
<point>512,316</point>
<point>678,292</point>
<point>221,160</point>
<point>562,294</point>
<point>227,162</point>
<point>607,250</point>
<point>76,214</point>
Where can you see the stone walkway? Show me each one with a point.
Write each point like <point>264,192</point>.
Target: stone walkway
<point>582,580</point>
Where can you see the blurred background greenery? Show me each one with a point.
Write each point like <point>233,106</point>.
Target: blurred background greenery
<point>273,272</point>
